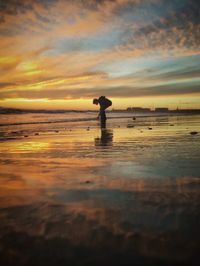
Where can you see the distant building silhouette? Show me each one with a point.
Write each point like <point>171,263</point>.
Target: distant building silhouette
<point>161,109</point>
<point>138,109</point>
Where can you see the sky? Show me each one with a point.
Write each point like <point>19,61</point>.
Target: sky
<point>62,54</point>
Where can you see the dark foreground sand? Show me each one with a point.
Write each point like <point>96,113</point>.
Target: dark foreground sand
<point>77,195</point>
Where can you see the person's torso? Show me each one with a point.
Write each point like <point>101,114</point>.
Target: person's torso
<point>104,102</point>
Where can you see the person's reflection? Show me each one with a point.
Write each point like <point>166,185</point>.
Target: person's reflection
<point>106,137</point>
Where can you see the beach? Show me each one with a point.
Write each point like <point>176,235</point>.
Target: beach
<point>73,193</point>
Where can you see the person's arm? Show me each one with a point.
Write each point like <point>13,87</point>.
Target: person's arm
<point>98,115</point>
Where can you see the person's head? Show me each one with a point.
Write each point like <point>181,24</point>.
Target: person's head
<point>95,101</point>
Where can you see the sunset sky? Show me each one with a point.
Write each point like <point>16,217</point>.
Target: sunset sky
<point>62,54</point>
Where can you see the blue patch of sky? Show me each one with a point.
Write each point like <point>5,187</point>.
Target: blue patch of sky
<point>126,66</point>
<point>148,11</point>
<point>165,65</point>
<point>148,66</point>
<point>175,63</point>
<point>100,42</point>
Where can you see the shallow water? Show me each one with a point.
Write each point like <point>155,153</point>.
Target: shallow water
<point>76,194</point>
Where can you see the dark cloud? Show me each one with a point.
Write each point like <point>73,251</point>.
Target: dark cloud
<point>6,84</point>
<point>174,74</point>
<point>159,90</point>
<point>14,7</point>
<point>171,24</point>
<point>42,18</point>
<point>179,74</point>
<point>118,91</point>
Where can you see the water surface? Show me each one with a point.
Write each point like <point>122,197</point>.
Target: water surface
<point>72,193</point>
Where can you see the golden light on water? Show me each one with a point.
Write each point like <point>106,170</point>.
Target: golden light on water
<point>25,146</point>
<point>30,146</point>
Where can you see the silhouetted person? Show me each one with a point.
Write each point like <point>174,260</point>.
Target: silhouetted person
<point>104,104</point>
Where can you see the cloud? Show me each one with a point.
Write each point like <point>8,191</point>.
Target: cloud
<point>6,84</point>
<point>72,49</point>
<point>190,73</point>
<point>77,87</point>
<point>13,7</point>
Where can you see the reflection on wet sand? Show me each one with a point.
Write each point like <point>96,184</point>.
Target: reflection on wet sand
<point>106,138</point>
<point>65,201</point>
<point>122,228</point>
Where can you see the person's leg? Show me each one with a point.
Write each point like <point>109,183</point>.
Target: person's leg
<point>103,119</point>
<point>103,123</point>
<point>103,115</point>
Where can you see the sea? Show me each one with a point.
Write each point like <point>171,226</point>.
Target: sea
<point>75,193</point>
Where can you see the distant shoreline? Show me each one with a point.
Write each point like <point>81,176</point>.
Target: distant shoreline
<point>136,115</point>
<point>11,111</point>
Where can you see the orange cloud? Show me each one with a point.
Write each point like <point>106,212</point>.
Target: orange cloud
<point>59,49</point>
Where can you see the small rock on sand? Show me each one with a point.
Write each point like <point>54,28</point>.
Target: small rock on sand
<point>130,126</point>
<point>193,133</point>
<point>149,128</point>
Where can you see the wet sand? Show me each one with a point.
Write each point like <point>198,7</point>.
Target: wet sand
<point>76,194</point>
